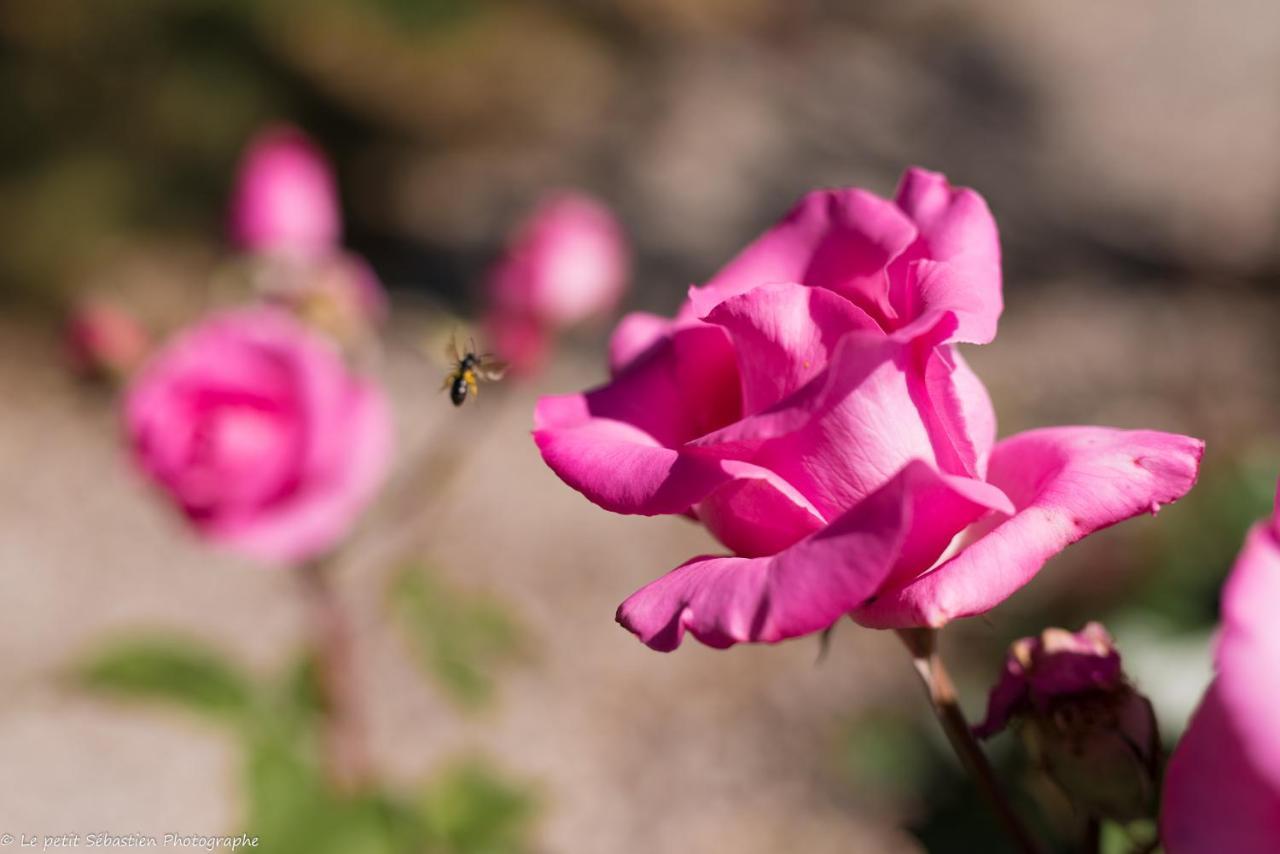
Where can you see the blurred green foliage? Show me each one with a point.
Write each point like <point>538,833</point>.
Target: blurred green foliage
<point>175,671</point>
<point>460,637</point>
<point>906,760</point>
<point>124,120</point>
<point>1188,556</point>
<point>468,807</point>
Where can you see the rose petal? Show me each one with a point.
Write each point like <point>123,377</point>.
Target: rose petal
<point>635,333</point>
<point>623,469</point>
<point>683,386</point>
<point>953,222</point>
<point>841,240</point>
<point>617,444</point>
<point>803,589</point>
<point>848,431</point>
<point>964,406</point>
<point>1066,482</point>
<point>1248,654</point>
<point>757,513</point>
<point>954,264</point>
<point>784,335</point>
<point>1217,797</point>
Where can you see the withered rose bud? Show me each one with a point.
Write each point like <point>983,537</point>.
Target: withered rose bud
<point>1082,721</point>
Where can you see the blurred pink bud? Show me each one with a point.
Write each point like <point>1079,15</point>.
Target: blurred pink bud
<point>566,263</point>
<point>1081,720</point>
<point>260,434</point>
<point>285,198</point>
<point>521,342</point>
<point>104,340</point>
<point>338,294</point>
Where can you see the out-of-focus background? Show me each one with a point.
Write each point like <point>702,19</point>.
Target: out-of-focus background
<point>1129,152</point>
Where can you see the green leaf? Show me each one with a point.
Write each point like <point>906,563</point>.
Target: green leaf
<point>460,637</point>
<point>169,669</point>
<point>293,808</point>
<point>471,809</point>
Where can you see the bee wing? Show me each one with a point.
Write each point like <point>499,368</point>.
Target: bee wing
<point>491,371</point>
<point>451,349</point>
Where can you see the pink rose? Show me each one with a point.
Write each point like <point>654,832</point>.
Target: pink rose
<point>808,407</point>
<point>260,434</point>
<point>1222,788</point>
<point>566,263</point>
<point>285,198</point>
<point>104,340</point>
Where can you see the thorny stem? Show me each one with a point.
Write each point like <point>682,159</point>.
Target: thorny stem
<point>922,644</point>
<point>346,749</point>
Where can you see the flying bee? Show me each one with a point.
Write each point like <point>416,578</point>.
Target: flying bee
<point>469,369</point>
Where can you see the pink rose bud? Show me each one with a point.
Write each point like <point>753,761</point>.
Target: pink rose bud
<point>566,263</point>
<point>260,434</point>
<point>522,342</point>
<point>1081,720</point>
<point>285,198</point>
<point>104,341</point>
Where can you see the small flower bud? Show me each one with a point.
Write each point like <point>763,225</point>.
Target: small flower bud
<point>1081,720</point>
<point>285,198</point>
<point>104,341</point>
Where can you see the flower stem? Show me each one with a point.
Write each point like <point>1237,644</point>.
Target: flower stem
<point>1092,843</point>
<point>346,749</point>
<point>923,646</point>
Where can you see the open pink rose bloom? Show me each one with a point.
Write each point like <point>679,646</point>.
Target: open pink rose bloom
<point>260,434</point>
<point>1222,787</point>
<point>809,407</point>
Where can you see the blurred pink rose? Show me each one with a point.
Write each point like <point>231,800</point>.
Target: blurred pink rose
<point>1081,720</point>
<point>285,198</point>
<point>104,340</point>
<point>260,434</point>
<point>1222,788</point>
<point>808,407</point>
<point>566,263</point>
